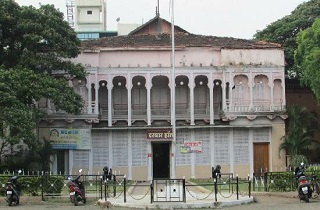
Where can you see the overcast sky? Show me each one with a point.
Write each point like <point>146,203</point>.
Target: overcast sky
<point>230,18</point>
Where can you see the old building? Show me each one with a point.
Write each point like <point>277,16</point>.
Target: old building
<point>229,102</point>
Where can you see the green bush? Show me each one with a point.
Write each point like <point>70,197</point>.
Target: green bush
<point>284,181</point>
<point>32,185</point>
<point>53,184</point>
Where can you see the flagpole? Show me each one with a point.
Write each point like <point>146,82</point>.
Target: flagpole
<point>173,98</point>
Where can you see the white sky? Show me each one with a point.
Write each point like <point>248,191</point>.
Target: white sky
<point>230,18</point>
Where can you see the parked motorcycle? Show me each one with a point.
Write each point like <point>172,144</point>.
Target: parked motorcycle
<point>13,191</point>
<point>304,187</point>
<point>76,190</point>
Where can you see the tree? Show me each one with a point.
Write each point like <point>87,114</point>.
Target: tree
<point>308,57</point>
<point>298,140</point>
<point>35,45</point>
<point>285,30</point>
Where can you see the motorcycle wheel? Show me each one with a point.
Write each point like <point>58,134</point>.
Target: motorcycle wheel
<point>9,201</point>
<point>84,200</point>
<point>306,198</point>
<point>17,203</point>
<point>75,200</point>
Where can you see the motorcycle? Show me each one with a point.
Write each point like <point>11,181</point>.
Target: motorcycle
<point>304,187</point>
<point>76,190</point>
<point>13,191</point>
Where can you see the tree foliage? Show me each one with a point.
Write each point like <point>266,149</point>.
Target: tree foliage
<point>35,45</point>
<point>308,57</point>
<point>285,30</point>
<point>298,139</point>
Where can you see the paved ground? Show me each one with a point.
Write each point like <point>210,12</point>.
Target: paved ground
<point>278,201</point>
<point>263,201</point>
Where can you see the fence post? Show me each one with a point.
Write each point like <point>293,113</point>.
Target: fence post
<point>114,186</point>
<point>237,187</point>
<point>248,179</point>
<point>151,190</point>
<point>265,178</point>
<point>42,195</point>
<point>101,187</point>
<point>215,189</point>
<point>253,183</point>
<point>184,190</point>
<point>125,189</point>
<point>249,187</point>
<point>105,188</point>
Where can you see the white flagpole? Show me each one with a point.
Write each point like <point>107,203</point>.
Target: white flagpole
<point>173,98</point>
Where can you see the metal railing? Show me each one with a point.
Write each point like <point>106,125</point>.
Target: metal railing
<point>118,187</point>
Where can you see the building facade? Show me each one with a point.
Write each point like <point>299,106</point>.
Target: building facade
<point>146,115</point>
<point>229,107</point>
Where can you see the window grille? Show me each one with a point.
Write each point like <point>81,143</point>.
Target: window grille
<point>221,146</point>
<point>120,148</point>
<point>182,159</point>
<point>139,148</point>
<point>258,91</point>
<point>100,148</point>
<point>203,158</point>
<point>261,135</point>
<point>81,158</point>
<point>241,146</point>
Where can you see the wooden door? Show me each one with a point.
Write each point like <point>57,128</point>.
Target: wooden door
<point>261,157</point>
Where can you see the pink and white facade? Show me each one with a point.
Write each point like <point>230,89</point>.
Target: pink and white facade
<point>229,105</point>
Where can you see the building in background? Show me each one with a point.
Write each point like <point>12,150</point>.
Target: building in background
<point>89,20</point>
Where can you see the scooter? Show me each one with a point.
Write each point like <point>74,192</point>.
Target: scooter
<point>304,187</point>
<point>13,191</point>
<point>76,190</point>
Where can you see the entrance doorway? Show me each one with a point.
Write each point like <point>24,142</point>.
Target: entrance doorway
<point>61,161</point>
<point>261,157</point>
<point>161,159</point>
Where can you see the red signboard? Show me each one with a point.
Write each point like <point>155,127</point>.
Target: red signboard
<point>163,134</point>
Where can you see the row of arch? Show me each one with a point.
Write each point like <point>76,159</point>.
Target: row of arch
<point>242,92</point>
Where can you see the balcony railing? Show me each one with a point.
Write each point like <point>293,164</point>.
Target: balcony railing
<point>163,111</point>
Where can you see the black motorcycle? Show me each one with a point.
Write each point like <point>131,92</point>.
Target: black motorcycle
<point>13,191</point>
<point>304,187</point>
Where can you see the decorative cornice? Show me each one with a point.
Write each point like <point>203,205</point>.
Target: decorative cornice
<point>251,117</point>
<point>232,117</point>
<point>271,117</point>
<point>69,120</point>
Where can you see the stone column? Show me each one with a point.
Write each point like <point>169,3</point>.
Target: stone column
<point>96,105</point>
<point>148,86</point>
<point>191,87</point>
<point>211,86</point>
<point>109,100</point>
<point>283,93</point>
<point>129,87</point>
<point>224,93</point>
<point>271,86</point>
<point>89,95</point>
<point>250,83</point>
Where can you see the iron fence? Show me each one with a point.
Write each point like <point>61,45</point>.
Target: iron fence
<point>279,181</point>
<point>118,187</point>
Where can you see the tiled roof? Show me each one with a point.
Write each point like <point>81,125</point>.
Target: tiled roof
<point>181,40</point>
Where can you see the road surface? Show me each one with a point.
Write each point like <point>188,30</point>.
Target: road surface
<point>265,202</point>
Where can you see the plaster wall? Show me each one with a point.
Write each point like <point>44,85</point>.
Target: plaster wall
<point>252,57</point>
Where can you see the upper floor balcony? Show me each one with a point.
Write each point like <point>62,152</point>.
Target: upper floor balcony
<point>200,99</point>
